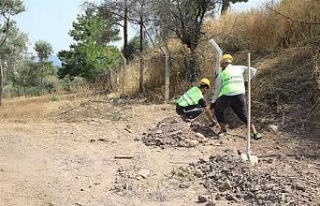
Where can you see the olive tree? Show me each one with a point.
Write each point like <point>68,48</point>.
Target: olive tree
<point>8,9</point>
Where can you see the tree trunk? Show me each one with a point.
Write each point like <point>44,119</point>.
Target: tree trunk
<point>225,7</point>
<point>125,30</point>
<point>167,77</point>
<point>141,87</point>
<point>194,66</point>
<point>123,73</point>
<point>1,82</point>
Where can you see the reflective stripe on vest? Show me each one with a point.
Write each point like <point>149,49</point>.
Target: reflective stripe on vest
<point>191,97</point>
<point>232,81</point>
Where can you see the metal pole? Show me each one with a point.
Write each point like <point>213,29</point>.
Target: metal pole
<point>249,109</point>
<point>218,55</point>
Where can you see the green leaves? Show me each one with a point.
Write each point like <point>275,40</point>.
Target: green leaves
<point>11,7</point>
<point>90,55</point>
<point>43,49</point>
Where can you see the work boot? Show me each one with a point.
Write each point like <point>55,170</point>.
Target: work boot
<point>257,136</point>
<point>213,123</point>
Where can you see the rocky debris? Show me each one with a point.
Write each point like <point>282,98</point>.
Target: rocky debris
<point>133,181</point>
<point>175,132</point>
<point>282,182</point>
<point>125,176</point>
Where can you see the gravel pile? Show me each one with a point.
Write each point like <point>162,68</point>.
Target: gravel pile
<point>175,132</point>
<point>271,182</point>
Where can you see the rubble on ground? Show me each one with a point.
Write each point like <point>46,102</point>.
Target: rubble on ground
<point>175,132</point>
<point>275,182</point>
<point>132,180</point>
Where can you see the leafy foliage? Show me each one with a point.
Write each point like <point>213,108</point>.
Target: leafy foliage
<point>8,8</point>
<point>90,55</point>
<point>12,51</point>
<point>134,47</point>
<point>43,49</point>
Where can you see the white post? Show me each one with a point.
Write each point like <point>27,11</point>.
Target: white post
<point>218,55</point>
<point>249,109</point>
<point>246,156</point>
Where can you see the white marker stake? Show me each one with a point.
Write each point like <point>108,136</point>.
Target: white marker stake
<point>247,156</point>
<point>218,55</point>
<point>249,109</point>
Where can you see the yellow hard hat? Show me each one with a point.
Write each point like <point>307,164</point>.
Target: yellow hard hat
<point>226,58</point>
<point>205,81</point>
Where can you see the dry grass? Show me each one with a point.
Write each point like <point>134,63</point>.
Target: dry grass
<point>37,108</point>
<point>267,29</point>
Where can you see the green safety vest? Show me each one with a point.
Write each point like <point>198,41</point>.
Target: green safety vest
<point>232,81</point>
<point>191,97</point>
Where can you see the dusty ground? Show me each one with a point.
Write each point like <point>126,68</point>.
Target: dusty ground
<point>97,153</point>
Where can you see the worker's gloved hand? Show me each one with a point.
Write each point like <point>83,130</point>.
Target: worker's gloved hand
<point>213,123</point>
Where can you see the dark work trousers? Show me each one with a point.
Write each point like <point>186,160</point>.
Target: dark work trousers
<point>237,104</point>
<point>189,112</point>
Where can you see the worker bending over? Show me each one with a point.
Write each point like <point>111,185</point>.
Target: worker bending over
<point>192,103</point>
<point>230,92</point>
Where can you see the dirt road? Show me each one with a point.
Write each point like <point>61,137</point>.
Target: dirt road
<point>99,158</point>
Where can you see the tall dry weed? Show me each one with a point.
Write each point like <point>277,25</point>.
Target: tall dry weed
<point>264,30</point>
<point>289,23</point>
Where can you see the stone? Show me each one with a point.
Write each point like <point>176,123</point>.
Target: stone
<point>193,143</point>
<point>137,139</point>
<point>299,186</point>
<point>226,186</point>
<point>232,197</point>
<point>184,185</point>
<point>144,173</point>
<point>198,173</point>
<point>272,128</point>
<point>269,186</point>
<point>199,135</point>
<point>202,199</point>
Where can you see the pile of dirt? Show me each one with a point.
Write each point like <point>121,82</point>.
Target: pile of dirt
<point>175,132</point>
<point>280,181</point>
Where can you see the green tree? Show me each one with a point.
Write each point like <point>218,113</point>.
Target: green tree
<point>134,47</point>
<point>118,11</point>
<point>184,19</point>
<point>90,55</point>
<point>11,52</point>
<point>43,50</point>
<point>28,74</point>
<point>8,9</point>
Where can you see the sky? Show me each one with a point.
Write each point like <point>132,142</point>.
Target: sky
<point>51,20</point>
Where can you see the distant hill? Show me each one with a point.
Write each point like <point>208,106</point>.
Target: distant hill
<point>56,61</point>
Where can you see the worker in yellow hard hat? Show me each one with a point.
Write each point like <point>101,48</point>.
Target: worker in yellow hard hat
<point>230,92</point>
<point>192,103</point>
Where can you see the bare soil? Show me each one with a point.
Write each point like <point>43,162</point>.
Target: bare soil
<point>138,154</point>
